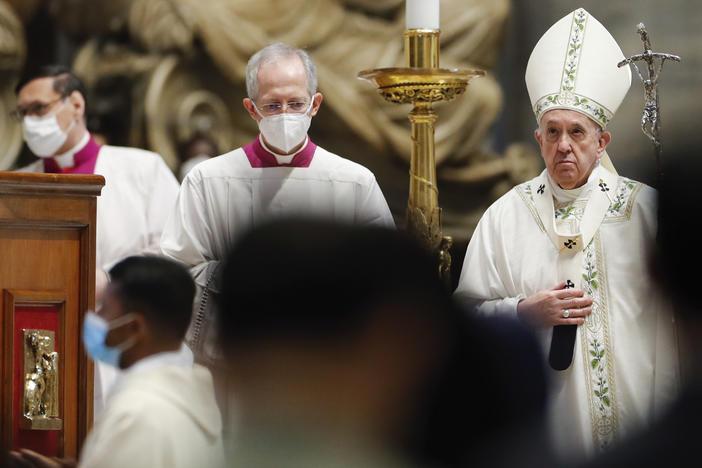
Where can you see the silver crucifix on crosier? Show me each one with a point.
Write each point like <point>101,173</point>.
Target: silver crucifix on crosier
<point>650,120</point>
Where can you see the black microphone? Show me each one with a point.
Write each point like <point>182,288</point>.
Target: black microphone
<point>562,342</point>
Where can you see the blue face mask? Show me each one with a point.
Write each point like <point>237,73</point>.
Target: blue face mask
<point>95,329</point>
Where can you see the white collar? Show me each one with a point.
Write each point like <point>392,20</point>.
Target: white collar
<point>583,192</point>
<point>66,159</point>
<point>595,210</point>
<point>283,158</point>
<point>181,358</point>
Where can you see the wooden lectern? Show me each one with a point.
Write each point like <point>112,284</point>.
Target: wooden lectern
<point>47,283</point>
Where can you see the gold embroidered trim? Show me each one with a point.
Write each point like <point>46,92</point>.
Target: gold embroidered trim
<point>598,351</point>
<point>524,191</point>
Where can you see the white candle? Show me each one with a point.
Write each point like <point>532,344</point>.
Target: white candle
<point>422,14</point>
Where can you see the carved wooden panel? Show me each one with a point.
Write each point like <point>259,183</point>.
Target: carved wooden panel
<point>47,282</point>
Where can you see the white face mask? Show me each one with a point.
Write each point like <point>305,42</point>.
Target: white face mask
<point>44,135</point>
<point>285,131</point>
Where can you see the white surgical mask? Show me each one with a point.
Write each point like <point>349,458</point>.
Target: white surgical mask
<point>285,131</point>
<point>44,135</point>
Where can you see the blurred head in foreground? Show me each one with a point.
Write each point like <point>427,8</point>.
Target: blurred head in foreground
<point>344,337</point>
<point>330,328</point>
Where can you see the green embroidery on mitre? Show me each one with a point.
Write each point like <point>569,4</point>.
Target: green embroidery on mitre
<point>573,101</point>
<point>567,98</point>
<point>573,52</point>
<point>573,66</point>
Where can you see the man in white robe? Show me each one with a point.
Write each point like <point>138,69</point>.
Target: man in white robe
<point>280,174</point>
<point>162,411</point>
<point>569,249</point>
<point>139,192</point>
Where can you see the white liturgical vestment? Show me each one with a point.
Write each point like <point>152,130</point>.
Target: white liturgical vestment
<point>625,361</point>
<point>161,413</point>
<point>222,198</point>
<point>140,193</point>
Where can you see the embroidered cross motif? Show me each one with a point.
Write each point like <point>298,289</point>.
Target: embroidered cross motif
<point>541,189</point>
<point>569,284</point>
<point>603,186</point>
<point>570,243</point>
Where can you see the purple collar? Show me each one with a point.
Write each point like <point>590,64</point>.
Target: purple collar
<point>83,161</point>
<point>261,157</point>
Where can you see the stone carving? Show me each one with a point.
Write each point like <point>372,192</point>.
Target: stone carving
<point>12,57</point>
<point>195,52</point>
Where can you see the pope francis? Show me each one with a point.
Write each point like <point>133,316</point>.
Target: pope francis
<point>566,251</point>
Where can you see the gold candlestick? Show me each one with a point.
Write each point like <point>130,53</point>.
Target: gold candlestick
<point>422,83</point>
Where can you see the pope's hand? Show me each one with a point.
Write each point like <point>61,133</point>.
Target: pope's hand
<point>546,308</point>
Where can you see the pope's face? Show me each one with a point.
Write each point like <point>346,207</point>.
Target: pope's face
<point>570,144</point>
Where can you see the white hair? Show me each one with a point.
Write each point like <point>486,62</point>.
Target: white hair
<point>273,53</point>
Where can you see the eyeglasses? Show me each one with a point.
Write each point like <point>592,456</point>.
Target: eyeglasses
<point>37,109</point>
<point>293,107</point>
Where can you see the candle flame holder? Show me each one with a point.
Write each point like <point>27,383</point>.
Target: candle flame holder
<point>422,83</point>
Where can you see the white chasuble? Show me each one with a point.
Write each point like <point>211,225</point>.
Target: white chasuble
<point>625,361</point>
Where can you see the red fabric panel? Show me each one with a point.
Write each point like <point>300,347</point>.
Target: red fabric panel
<point>43,317</point>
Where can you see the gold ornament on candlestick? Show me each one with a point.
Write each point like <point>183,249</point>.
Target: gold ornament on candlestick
<point>421,84</point>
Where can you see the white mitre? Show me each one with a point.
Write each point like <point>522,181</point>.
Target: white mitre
<point>574,66</point>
